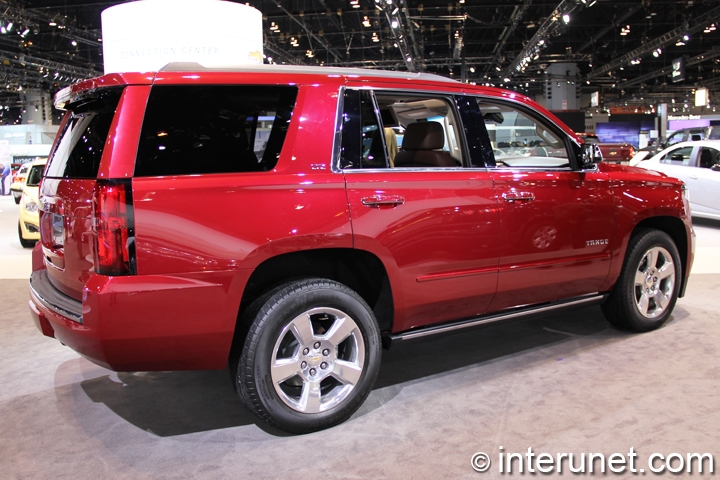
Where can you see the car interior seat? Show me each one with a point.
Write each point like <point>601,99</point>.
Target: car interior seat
<point>421,147</point>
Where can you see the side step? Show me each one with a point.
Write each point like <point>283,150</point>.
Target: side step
<point>518,314</point>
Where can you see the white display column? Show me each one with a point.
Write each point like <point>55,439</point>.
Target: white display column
<point>37,108</point>
<point>560,87</point>
<point>146,35</point>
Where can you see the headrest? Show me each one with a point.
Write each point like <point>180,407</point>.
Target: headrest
<point>424,136</point>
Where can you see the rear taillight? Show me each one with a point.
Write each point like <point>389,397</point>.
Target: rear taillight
<point>113,227</point>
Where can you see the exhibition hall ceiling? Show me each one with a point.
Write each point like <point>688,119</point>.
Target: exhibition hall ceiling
<point>624,49</point>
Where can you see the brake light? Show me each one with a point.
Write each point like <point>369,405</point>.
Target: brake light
<point>113,228</point>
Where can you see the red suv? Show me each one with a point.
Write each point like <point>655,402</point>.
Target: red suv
<point>288,222</point>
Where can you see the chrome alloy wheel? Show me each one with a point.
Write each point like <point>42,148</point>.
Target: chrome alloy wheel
<point>654,282</point>
<point>317,360</point>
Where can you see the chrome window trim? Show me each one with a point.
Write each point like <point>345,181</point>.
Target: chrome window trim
<point>337,138</point>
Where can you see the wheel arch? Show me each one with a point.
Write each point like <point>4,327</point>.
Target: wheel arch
<point>360,270</point>
<point>675,228</point>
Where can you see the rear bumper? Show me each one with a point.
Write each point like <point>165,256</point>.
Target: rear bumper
<point>144,322</point>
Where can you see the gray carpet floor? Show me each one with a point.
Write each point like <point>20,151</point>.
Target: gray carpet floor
<point>564,383</point>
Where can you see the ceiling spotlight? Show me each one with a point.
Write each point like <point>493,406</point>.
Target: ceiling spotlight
<point>394,24</point>
<point>9,27</point>
<point>686,37</point>
<point>25,32</point>
<point>566,18</point>
<point>74,43</point>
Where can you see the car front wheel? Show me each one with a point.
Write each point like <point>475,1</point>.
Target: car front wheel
<point>645,294</point>
<point>311,355</point>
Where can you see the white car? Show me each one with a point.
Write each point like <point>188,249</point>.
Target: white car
<point>698,165</point>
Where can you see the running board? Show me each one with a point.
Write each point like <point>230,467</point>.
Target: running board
<point>522,313</point>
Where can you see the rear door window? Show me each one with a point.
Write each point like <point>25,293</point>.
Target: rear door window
<point>399,130</point>
<point>678,156</point>
<point>213,129</point>
<point>80,146</point>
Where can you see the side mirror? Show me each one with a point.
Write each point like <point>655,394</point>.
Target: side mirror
<point>590,154</point>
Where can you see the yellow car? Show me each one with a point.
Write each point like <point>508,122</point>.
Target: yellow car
<point>29,224</point>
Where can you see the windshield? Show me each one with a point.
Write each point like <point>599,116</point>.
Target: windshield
<point>35,175</point>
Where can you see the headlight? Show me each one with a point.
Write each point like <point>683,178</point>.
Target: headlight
<point>31,206</point>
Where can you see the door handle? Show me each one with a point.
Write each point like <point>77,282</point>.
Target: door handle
<point>518,197</point>
<point>383,201</point>
<point>693,177</point>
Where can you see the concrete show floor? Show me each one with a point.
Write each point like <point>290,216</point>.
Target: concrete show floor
<point>567,383</point>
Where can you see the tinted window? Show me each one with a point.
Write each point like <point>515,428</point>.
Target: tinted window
<point>362,145</point>
<point>213,129</point>
<point>80,146</point>
<point>708,157</point>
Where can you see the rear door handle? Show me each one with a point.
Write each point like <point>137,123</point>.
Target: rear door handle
<point>693,177</point>
<point>383,201</point>
<point>518,197</point>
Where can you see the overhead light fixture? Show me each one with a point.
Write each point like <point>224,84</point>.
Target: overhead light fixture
<point>25,32</point>
<point>394,24</point>
<point>566,18</point>
<point>74,43</point>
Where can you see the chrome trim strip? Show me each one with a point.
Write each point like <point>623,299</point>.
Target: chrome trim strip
<point>57,309</point>
<point>424,332</point>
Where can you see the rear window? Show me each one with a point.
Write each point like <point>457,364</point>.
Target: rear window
<point>213,129</point>
<point>80,144</point>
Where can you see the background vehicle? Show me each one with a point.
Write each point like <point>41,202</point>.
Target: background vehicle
<point>29,223</point>
<point>693,135</point>
<point>611,152</point>
<point>698,165</point>
<point>18,181</point>
<point>332,240</point>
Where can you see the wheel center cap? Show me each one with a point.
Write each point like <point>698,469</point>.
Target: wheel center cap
<point>314,359</point>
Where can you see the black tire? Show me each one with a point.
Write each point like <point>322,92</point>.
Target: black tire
<point>324,342</point>
<point>646,291</point>
<point>25,243</point>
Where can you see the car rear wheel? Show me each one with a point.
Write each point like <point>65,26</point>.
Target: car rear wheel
<point>25,243</point>
<point>645,294</point>
<point>311,356</point>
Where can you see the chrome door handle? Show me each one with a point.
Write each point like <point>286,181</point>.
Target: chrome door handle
<point>383,201</point>
<point>693,177</point>
<point>518,197</point>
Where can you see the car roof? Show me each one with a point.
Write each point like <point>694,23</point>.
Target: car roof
<point>305,70</point>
